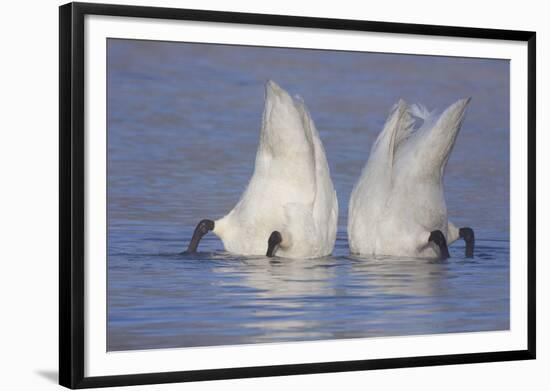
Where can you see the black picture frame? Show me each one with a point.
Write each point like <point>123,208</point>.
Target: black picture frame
<point>71,194</point>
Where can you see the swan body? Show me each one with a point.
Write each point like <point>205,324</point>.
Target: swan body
<point>398,202</point>
<point>290,192</point>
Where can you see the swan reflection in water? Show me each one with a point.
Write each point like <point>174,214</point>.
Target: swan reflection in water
<point>327,297</point>
<point>215,298</point>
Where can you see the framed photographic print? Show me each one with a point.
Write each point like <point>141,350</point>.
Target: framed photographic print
<point>248,195</point>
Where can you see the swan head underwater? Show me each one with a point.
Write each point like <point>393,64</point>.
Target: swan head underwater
<point>289,207</point>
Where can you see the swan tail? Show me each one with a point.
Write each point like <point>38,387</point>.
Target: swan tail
<point>285,150</point>
<point>397,129</point>
<point>283,130</point>
<point>383,149</point>
<point>438,139</point>
<point>371,192</point>
<point>420,111</point>
<point>404,129</point>
<point>325,203</point>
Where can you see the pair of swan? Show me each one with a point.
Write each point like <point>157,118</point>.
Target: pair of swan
<point>397,207</point>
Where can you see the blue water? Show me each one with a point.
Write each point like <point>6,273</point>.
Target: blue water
<point>183,127</point>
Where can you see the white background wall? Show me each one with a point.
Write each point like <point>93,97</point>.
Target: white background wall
<point>28,193</point>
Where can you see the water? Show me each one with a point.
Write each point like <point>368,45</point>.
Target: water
<point>183,127</point>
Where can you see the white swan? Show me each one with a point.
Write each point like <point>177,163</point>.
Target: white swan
<point>397,207</point>
<point>290,206</point>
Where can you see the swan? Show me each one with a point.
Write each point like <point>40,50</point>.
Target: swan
<point>289,208</point>
<point>397,207</point>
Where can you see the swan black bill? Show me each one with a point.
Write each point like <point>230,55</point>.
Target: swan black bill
<point>438,238</point>
<point>273,243</point>
<point>467,234</point>
<point>202,228</point>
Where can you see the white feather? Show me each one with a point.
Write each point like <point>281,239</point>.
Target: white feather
<point>399,197</point>
<point>420,111</point>
<point>290,190</point>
